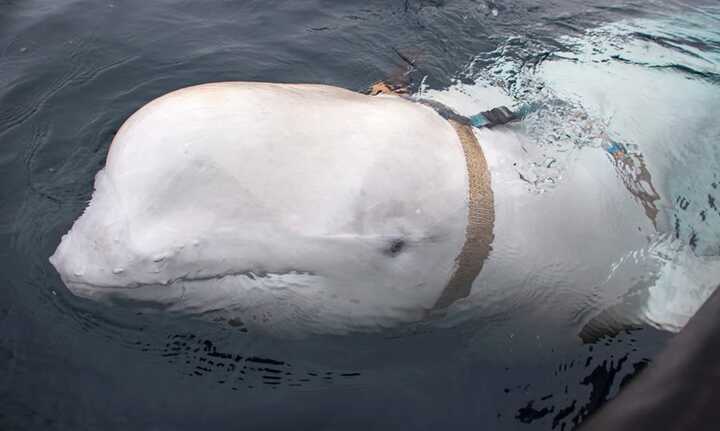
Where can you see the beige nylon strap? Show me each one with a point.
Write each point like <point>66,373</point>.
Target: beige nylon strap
<point>481,219</point>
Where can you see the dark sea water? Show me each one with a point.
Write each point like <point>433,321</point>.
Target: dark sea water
<point>72,71</point>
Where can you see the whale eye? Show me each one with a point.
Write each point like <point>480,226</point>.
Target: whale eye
<point>395,247</point>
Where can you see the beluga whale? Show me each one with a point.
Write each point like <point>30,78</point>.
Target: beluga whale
<point>311,208</point>
<point>293,203</point>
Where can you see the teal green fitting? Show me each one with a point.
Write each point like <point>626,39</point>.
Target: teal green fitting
<point>479,120</point>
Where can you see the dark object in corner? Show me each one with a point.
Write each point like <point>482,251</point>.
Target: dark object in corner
<point>680,390</point>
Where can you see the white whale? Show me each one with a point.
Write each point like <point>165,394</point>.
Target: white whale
<point>333,207</point>
<point>316,208</point>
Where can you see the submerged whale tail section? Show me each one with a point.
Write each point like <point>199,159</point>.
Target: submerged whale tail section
<point>682,282</point>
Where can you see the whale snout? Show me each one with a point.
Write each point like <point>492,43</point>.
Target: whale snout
<point>84,263</point>
<point>94,266</point>
<point>94,256</point>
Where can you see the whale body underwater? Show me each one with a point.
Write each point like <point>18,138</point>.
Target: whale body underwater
<point>310,208</point>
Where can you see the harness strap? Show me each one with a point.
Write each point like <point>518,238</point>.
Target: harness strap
<point>481,220</point>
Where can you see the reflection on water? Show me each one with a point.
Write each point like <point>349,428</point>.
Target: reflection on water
<point>644,77</point>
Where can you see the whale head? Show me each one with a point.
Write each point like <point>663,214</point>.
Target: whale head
<point>205,204</point>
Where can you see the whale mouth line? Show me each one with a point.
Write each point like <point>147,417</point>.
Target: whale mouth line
<point>252,275</point>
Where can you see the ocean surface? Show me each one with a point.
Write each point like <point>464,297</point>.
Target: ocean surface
<point>71,72</point>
